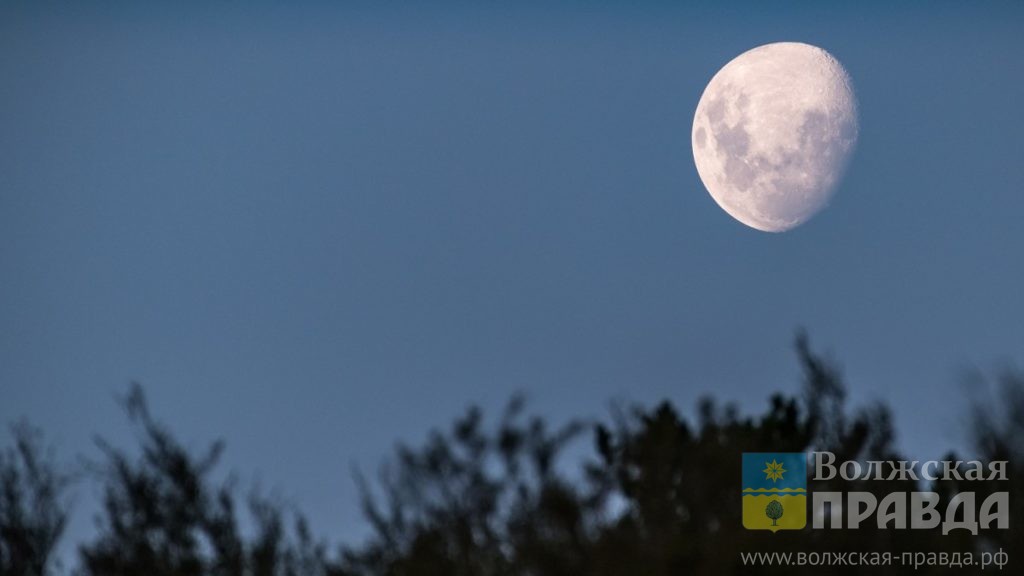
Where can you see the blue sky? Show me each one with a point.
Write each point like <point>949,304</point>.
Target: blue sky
<point>315,231</point>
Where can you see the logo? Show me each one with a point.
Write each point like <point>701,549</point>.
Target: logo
<point>774,491</point>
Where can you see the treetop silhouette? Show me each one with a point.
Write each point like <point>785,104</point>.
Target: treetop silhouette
<point>656,495</point>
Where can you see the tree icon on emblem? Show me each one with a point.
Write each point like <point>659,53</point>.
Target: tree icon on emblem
<point>774,511</point>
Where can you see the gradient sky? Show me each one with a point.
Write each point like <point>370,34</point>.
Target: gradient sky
<point>314,232</point>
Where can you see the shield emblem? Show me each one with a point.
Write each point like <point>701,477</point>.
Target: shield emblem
<point>774,491</point>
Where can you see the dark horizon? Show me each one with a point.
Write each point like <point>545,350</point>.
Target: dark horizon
<point>651,491</point>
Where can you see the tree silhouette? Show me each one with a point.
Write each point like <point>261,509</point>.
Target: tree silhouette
<point>774,511</point>
<point>164,516</point>
<point>658,494</point>
<point>33,505</point>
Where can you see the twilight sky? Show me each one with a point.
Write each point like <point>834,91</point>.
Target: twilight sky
<point>316,231</point>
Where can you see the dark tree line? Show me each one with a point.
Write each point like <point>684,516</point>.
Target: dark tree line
<point>657,495</point>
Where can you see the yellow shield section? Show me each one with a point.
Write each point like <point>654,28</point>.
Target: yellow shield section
<point>793,508</point>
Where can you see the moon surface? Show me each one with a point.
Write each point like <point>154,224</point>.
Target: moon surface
<point>773,134</point>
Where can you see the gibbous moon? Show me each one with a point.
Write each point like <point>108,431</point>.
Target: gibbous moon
<point>773,134</point>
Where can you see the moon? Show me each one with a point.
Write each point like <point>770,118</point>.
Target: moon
<point>773,134</point>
